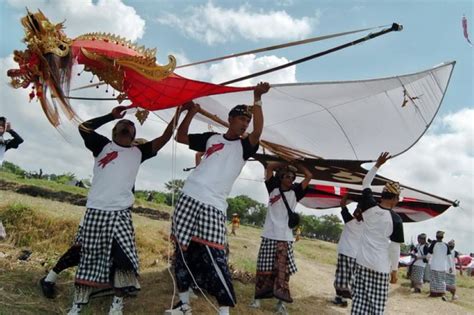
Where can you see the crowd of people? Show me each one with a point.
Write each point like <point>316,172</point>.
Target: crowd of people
<point>104,249</point>
<point>434,262</point>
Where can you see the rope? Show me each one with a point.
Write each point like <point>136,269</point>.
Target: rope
<point>173,177</point>
<point>279,46</point>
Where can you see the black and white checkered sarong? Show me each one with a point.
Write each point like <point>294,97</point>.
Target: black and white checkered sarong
<point>417,273</point>
<point>200,222</point>
<point>267,255</point>
<point>427,275</point>
<point>370,291</point>
<point>344,275</point>
<point>450,281</point>
<point>438,282</point>
<point>98,231</point>
<point>78,237</point>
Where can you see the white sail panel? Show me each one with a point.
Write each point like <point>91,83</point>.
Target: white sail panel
<point>353,120</point>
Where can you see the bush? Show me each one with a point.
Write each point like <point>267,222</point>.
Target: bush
<point>12,168</point>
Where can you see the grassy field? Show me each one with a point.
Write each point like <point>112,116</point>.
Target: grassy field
<point>48,227</point>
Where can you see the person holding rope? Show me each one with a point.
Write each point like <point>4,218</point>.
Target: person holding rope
<point>108,255</point>
<point>276,262</point>
<point>379,251</point>
<point>199,219</point>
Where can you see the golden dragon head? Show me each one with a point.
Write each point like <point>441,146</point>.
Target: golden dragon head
<point>44,37</point>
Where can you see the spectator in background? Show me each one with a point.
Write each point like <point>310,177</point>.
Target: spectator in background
<point>8,144</point>
<point>439,251</point>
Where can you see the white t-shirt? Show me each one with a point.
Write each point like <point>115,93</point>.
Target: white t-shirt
<point>212,180</point>
<point>349,241</point>
<point>439,252</point>
<point>276,221</point>
<point>375,240</point>
<point>115,168</point>
<point>382,232</point>
<point>420,251</point>
<point>115,172</point>
<point>451,263</point>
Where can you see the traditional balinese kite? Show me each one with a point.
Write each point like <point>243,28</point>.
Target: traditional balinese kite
<point>333,127</point>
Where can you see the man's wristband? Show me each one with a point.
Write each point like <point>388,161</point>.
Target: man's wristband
<point>257,103</point>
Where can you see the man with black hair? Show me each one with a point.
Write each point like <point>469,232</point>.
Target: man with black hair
<point>276,261</point>
<point>6,145</point>
<point>420,253</point>
<point>199,219</point>
<point>379,251</point>
<point>108,255</point>
<point>439,251</point>
<point>72,257</point>
<point>347,248</point>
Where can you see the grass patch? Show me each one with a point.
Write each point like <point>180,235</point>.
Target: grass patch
<point>245,264</point>
<point>464,281</point>
<point>43,183</point>
<point>323,252</point>
<point>26,228</point>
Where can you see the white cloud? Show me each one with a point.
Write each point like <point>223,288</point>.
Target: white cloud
<point>85,16</point>
<point>284,3</point>
<point>237,67</point>
<point>241,66</point>
<point>212,24</point>
<point>441,163</point>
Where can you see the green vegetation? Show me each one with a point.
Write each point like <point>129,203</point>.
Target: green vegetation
<point>251,212</point>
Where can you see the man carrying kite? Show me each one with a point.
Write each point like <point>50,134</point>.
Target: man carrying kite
<point>347,249</point>
<point>380,242</point>
<point>276,262</point>
<point>199,220</point>
<point>108,256</point>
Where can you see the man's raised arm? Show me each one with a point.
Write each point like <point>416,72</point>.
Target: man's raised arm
<point>260,89</point>
<point>183,130</point>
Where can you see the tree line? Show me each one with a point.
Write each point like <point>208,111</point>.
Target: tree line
<point>250,211</point>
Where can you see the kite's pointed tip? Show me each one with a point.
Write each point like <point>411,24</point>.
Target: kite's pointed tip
<point>397,27</point>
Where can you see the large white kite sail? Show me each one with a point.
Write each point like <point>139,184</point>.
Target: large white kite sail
<point>353,120</point>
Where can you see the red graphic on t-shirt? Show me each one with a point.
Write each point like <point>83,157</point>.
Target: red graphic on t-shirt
<point>213,149</point>
<point>275,199</point>
<point>108,158</point>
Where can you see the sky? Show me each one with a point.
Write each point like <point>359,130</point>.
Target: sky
<point>442,162</point>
